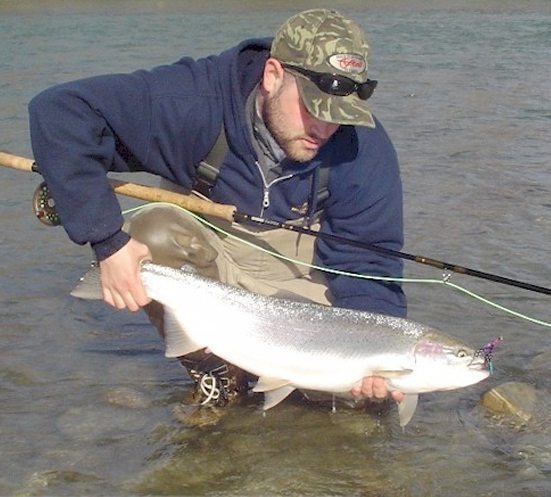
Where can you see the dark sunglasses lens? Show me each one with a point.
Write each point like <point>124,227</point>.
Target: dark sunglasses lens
<point>339,86</point>
<point>335,85</point>
<point>366,89</point>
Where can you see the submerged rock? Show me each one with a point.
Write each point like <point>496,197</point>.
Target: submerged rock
<point>52,482</point>
<point>513,400</point>
<point>127,397</point>
<point>199,416</point>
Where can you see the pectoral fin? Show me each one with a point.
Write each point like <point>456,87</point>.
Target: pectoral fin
<point>406,408</point>
<point>399,373</point>
<point>275,390</point>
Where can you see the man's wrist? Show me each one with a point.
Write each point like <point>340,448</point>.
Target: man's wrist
<point>109,246</point>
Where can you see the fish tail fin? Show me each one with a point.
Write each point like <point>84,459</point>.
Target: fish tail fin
<point>89,286</point>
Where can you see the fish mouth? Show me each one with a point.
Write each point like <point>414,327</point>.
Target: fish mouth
<point>483,356</point>
<point>478,362</point>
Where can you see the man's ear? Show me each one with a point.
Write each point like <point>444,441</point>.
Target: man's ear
<point>273,75</point>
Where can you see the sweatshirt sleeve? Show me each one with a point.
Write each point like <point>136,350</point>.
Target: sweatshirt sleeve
<point>75,144</point>
<point>365,206</point>
<point>83,129</point>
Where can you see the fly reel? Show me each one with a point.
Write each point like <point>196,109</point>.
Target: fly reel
<point>44,206</point>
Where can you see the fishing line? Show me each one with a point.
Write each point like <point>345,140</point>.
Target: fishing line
<point>446,278</point>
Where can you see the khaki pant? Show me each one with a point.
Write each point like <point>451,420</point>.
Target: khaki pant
<point>176,238</point>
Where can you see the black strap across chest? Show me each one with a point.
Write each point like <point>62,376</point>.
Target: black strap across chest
<point>209,168</point>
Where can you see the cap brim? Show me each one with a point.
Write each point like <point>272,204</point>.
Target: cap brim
<point>350,110</point>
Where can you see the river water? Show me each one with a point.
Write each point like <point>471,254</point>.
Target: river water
<point>88,403</point>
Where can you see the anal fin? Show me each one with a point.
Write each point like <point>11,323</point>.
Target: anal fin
<point>399,373</point>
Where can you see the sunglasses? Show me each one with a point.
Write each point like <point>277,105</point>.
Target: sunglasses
<point>335,84</point>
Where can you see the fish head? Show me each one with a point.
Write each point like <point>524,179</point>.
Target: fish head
<point>444,363</point>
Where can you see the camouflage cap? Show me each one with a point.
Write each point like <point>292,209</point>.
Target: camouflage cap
<point>325,41</point>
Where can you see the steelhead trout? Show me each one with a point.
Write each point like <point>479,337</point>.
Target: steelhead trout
<point>298,345</point>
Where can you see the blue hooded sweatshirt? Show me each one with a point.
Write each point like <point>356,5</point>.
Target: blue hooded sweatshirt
<point>166,120</point>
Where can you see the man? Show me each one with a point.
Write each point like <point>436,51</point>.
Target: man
<point>293,115</point>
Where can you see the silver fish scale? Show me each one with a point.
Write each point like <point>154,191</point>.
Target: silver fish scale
<point>308,326</point>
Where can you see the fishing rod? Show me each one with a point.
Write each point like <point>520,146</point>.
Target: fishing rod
<point>44,205</point>
<point>427,261</point>
<point>45,211</point>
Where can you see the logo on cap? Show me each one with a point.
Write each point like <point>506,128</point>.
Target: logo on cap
<point>346,62</point>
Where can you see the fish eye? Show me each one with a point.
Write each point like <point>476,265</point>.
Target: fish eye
<point>462,353</point>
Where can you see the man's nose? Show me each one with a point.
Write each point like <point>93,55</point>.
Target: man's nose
<point>322,129</point>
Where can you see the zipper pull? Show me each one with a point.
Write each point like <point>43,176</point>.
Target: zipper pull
<point>266,199</point>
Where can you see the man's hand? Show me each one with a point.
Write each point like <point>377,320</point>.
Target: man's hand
<point>374,387</point>
<point>120,277</point>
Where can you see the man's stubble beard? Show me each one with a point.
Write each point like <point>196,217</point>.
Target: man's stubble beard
<point>275,122</point>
